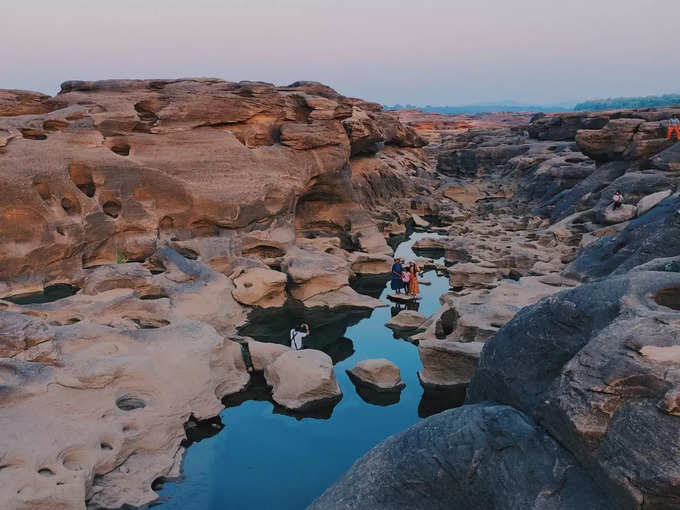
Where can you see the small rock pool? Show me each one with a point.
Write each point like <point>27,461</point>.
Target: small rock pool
<point>254,457</point>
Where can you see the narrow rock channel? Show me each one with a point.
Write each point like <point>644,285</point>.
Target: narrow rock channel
<point>256,455</point>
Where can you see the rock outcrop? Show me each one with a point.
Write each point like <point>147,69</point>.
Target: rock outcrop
<point>592,370</point>
<point>480,456</point>
<point>140,221</point>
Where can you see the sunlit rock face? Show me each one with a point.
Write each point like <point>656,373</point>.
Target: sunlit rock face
<point>140,220</point>
<point>117,168</point>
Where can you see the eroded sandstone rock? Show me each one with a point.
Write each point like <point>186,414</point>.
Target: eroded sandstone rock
<point>378,375</point>
<point>303,380</point>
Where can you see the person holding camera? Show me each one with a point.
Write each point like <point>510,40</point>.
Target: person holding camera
<point>297,334</point>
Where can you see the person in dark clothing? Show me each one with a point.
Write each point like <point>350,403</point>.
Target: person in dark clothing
<point>396,283</point>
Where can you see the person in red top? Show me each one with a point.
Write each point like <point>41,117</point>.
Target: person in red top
<point>673,127</point>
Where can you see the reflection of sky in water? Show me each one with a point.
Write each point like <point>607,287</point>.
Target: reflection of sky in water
<point>272,461</point>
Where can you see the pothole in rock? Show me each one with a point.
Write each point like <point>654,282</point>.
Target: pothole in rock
<point>49,294</point>
<point>81,176</point>
<point>150,323</point>
<point>122,149</point>
<point>112,208</point>
<point>33,134</point>
<point>46,472</point>
<point>130,403</point>
<point>670,298</point>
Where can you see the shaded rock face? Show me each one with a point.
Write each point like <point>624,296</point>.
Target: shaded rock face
<point>460,459</point>
<point>219,169</point>
<point>597,367</point>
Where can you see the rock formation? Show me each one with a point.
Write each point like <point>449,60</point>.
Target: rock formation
<point>590,369</point>
<point>160,212</point>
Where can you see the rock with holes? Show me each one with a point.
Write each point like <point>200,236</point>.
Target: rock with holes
<point>142,384</point>
<point>265,288</point>
<point>379,375</point>
<point>597,366</point>
<point>447,365</point>
<point>115,169</point>
<point>303,380</point>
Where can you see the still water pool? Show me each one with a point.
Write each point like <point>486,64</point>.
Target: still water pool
<point>252,457</point>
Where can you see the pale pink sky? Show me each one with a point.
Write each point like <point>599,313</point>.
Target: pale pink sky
<point>420,52</point>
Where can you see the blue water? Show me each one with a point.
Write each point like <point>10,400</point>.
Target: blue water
<point>265,460</point>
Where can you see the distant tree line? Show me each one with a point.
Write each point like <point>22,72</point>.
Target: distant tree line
<point>485,108</point>
<point>614,103</point>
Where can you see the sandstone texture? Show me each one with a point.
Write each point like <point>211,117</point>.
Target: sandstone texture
<point>140,222</point>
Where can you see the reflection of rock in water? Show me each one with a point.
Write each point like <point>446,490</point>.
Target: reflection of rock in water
<point>339,351</point>
<point>327,327</point>
<point>259,391</point>
<point>378,398</point>
<point>413,305</point>
<point>436,401</point>
<point>197,431</point>
<point>370,285</point>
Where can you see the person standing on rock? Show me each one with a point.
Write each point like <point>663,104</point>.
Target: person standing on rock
<point>414,288</point>
<point>617,200</point>
<point>406,279</point>
<point>673,127</point>
<point>297,334</point>
<point>397,284</point>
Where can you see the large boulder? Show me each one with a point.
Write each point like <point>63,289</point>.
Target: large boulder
<point>596,366</point>
<point>303,380</point>
<point>653,235</point>
<point>379,375</point>
<point>649,201</point>
<point>483,456</point>
<point>447,365</point>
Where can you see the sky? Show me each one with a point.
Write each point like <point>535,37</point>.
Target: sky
<point>438,52</point>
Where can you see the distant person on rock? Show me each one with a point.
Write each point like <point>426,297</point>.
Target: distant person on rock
<point>397,269</point>
<point>297,334</point>
<point>617,200</point>
<point>673,127</point>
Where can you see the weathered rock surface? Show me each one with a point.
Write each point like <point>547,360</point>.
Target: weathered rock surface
<point>447,365</point>
<point>260,287</point>
<point>303,380</point>
<point>595,366</point>
<point>459,459</point>
<point>378,375</point>
<point>181,182</point>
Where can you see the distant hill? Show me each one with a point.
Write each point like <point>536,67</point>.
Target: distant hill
<point>629,102</point>
<point>481,108</point>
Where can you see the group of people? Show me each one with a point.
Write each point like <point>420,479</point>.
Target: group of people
<point>405,277</point>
